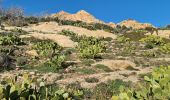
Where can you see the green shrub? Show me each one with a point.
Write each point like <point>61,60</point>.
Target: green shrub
<point>165,48</point>
<point>107,28</point>
<point>135,35</point>
<point>48,19</point>
<point>53,65</point>
<point>145,74</point>
<point>53,52</point>
<point>154,88</point>
<point>31,89</point>
<point>32,20</point>
<point>108,39</point>
<point>19,31</point>
<point>73,36</point>
<point>104,91</point>
<point>4,61</point>
<point>77,24</point>
<point>11,40</point>
<point>103,67</point>
<point>95,26</point>
<point>87,62</point>
<point>21,61</point>
<point>92,80</point>
<point>85,70</point>
<point>149,54</point>
<point>67,33</point>
<point>123,39</point>
<point>91,47</point>
<point>149,46</point>
<point>152,41</point>
<point>68,51</point>
<point>128,48</point>
<point>57,61</point>
<point>77,38</point>
<point>76,90</point>
<point>47,48</point>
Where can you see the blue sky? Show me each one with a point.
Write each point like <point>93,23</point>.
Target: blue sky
<point>156,12</point>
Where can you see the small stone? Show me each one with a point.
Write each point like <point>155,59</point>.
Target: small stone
<point>32,73</point>
<point>38,74</point>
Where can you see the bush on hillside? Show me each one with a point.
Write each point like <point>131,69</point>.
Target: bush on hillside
<point>152,41</point>
<point>91,47</point>
<point>123,39</point>
<point>55,63</point>
<point>31,89</point>
<point>21,61</point>
<point>47,48</point>
<point>11,40</point>
<point>31,20</point>
<point>165,48</point>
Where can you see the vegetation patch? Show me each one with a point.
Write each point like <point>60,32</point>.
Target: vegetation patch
<point>53,65</point>
<point>93,26</point>
<point>153,88</point>
<point>31,89</point>
<point>11,40</point>
<point>88,62</point>
<point>149,54</point>
<point>152,41</point>
<point>47,48</point>
<point>127,49</point>
<point>92,80</point>
<point>73,36</point>
<point>123,39</point>
<point>91,47</point>
<point>103,67</point>
<point>105,91</point>
<point>85,70</point>
<point>21,61</point>
<point>135,35</point>
<point>165,48</point>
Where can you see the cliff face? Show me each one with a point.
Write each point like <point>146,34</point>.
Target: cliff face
<point>134,24</point>
<point>79,16</point>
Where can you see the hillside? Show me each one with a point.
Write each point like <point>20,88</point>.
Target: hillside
<point>80,57</point>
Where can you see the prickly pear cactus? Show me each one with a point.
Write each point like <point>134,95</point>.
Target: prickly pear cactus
<point>156,87</point>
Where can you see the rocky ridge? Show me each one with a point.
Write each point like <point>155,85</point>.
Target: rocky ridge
<point>84,16</point>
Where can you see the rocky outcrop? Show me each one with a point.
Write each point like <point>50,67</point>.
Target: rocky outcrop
<point>79,16</point>
<point>113,25</point>
<point>134,24</point>
<point>88,18</point>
